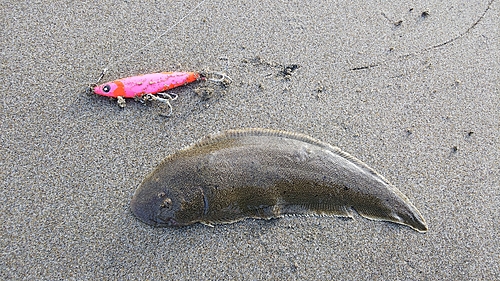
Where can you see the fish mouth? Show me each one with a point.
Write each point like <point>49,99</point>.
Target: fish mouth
<point>150,219</point>
<point>160,222</point>
<point>162,219</point>
<point>157,220</point>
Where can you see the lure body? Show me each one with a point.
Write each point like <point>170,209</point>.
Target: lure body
<point>137,86</point>
<point>259,173</point>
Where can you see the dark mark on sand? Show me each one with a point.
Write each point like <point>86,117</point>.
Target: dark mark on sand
<point>424,15</point>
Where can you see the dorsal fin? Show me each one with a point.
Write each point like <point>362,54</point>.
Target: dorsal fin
<point>213,142</point>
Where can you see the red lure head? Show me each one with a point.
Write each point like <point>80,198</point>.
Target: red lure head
<point>110,89</point>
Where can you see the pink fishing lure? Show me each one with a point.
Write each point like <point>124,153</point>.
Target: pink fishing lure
<point>154,86</point>
<point>137,86</point>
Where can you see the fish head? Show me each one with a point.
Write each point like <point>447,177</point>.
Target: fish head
<point>155,204</point>
<point>110,89</point>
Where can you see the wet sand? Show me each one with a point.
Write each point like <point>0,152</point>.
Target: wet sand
<point>410,89</point>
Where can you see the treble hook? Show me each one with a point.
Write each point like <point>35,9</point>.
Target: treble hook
<point>165,98</point>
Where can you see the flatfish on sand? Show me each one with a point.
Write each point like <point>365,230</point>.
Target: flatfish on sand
<point>262,173</point>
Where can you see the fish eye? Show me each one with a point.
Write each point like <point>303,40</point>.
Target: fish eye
<point>167,203</point>
<point>106,88</point>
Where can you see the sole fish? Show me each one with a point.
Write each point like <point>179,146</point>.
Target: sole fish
<point>262,173</point>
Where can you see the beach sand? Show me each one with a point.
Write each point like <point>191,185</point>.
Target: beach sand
<point>412,89</point>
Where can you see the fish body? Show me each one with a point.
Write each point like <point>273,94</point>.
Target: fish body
<point>261,173</point>
<point>137,86</point>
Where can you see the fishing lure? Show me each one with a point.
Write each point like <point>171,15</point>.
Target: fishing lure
<point>260,173</point>
<point>154,86</point>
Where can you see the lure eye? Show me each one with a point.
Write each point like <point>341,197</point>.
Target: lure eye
<point>106,88</point>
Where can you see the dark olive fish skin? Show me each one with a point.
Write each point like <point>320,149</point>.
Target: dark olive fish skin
<point>261,173</point>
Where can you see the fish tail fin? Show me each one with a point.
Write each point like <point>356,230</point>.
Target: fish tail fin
<point>402,212</point>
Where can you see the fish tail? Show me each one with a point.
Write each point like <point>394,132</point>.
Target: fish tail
<point>400,211</point>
